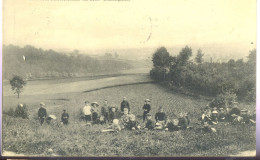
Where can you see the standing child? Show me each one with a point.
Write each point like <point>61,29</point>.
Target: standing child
<point>146,108</point>
<point>65,117</point>
<point>95,113</point>
<point>87,112</point>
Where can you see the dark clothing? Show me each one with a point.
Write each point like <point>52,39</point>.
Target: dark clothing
<point>149,124</point>
<point>235,110</point>
<point>132,124</point>
<point>21,112</point>
<point>65,118</point>
<point>183,123</point>
<point>95,118</point>
<point>125,104</point>
<point>222,117</point>
<point>147,109</point>
<point>87,118</point>
<point>105,112</point>
<point>113,115</point>
<point>171,127</point>
<point>160,116</point>
<point>42,114</point>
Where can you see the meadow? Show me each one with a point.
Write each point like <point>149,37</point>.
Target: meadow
<point>77,139</point>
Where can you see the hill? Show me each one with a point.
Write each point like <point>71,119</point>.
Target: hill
<point>33,63</point>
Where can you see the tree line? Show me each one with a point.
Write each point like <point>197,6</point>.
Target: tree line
<point>209,78</point>
<point>35,63</point>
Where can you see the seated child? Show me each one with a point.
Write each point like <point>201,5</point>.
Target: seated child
<point>149,122</point>
<point>214,116</point>
<point>115,127</point>
<point>125,118</point>
<point>113,114</point>
<point>221,115</point>
<point>172,125</point>
<point>183,122</point>
<point>132,124</point>
<point>160,118</point>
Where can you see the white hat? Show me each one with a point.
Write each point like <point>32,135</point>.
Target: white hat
<point>147,100</point>
<point>94,103</point>
<point>42,104</point>
<point>21,105</point>
<point>214,111</point>
<point>52,116</point>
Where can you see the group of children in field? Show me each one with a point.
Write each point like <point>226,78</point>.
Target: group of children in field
<point>124,119</point>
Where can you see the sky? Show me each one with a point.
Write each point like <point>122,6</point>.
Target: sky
<point>99,25</point>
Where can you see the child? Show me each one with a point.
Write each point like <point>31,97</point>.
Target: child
<point>113,114</point>
<point>172,125</point>
<point>146,108</point>
<point>149,122</point>
<point>95,112</point>
<point>214,116</point>
<point>87,112</point>
<point>133,124</point>
<point>160,118</point>
<point>125,118</point>
<point>183,122</point>
<point>221,115</point>
<point>115,127</point>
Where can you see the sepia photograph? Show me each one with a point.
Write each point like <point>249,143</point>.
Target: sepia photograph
<point>129,78</point>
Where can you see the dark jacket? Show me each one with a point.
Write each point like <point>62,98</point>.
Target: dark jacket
<point>147,107</point>
<point>42,112</point>
<point>183,123</point>
<point>125,104</point>
<point>149,124</point>
<point>65,116</point>
<point>160,116</point>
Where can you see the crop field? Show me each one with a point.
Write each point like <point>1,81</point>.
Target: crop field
<point>29,138</point>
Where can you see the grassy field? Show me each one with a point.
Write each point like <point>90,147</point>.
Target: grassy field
<point>77,139</point>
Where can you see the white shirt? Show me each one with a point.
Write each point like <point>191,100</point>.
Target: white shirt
<point>87,110</point>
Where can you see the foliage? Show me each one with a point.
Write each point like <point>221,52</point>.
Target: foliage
<point>223,100</point>
<point>161,57</point>
<point>47,64</point>
<point>199,57</point>
<point>17,84</point>
<point>211,79</point>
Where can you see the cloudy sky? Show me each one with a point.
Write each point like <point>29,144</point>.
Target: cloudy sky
<point>128,24</point>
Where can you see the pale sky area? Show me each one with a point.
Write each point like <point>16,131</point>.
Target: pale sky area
<point>88,25</point>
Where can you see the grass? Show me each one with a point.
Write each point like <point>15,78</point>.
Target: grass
<point>76,139</point>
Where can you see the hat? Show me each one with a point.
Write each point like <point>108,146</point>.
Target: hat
<point>21,105</point>
<point>52,116</point>
<point>215,112</point>
<point>148,114</point>
<point>42,104</point>
<point>94,103</point>
<point>244,110</point>
<point>147,100</point>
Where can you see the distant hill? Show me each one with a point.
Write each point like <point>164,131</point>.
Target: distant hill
<point>33,63</point>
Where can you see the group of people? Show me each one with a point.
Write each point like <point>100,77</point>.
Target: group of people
<point>124,119</point>
<point>231,114</point>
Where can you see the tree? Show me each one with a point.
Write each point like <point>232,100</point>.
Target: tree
<point>161,57</point>
<point>199,57</point>
<point>17,84</point>
<point>184,55</point>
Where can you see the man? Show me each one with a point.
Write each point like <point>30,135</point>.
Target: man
<point>87,112</point>
<point>65,117</point>
<point>42,113</point>
<point>146,108</point>
<point>104,111</point>
<point>124,104</point>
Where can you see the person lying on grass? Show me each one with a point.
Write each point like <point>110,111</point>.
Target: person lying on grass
<point>115,127</point>
<point>160,118</point>
<point>149,125</point>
